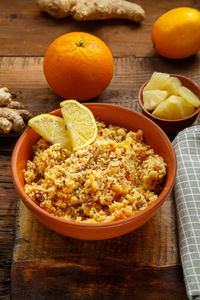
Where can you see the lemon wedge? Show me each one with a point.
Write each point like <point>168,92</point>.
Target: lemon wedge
<point>52,128</point>
<point>80,123</point>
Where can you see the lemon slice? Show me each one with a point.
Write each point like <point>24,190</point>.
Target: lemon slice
<point>52,128</point>
<point>80,122</point>
<point>189,96</point>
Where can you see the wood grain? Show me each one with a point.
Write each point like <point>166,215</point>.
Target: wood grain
<point>25,31</point>
<point>29,85</point>
<point>7,216</point>
<point>152,248</point>
<point>42,243</point>
<point>138,260</point>
<point>140,265</point>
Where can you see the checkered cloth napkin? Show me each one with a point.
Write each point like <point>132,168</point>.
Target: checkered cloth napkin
<point>187,196</point>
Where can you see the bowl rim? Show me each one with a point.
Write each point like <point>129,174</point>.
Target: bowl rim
<point>140,100</point>
<point>41,212</point>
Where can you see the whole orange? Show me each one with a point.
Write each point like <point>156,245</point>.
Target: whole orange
<point>176,33</point>
<point>78,65</point>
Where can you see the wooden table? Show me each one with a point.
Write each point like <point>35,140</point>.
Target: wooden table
<point>143,264</point>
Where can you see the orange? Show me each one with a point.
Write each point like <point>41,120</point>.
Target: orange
<point>176,33</point>
<point>78,65</point>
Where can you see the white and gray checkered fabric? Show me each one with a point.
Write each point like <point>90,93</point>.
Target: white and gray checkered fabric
<point>187,195</point>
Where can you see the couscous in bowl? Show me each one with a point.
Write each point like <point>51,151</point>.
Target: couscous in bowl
<point>110,114</point>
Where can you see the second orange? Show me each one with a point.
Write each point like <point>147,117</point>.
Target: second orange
<point>176,33</point>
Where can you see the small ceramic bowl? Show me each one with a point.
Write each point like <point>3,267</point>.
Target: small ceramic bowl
<point>172,127</point>
<point>112,114</point>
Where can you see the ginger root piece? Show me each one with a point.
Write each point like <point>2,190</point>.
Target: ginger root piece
<point>12,116</point>
<point>5,125</point>
<point>83,10</point>
<point>25,114</point>
<point>5,96</point>
<point>12,113</point>
<point>15,105</point>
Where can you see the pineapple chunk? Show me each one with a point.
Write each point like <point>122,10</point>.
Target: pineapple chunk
<point>172,86</point>
<point>163,81</point>
<point>181,101</point>
<point>189,96</point>
<point>173,108</point>
<point>152,98</point>
<point>157,81</point>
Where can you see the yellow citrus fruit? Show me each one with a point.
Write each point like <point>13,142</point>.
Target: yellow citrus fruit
<point>52,128</point>
<point>176,33</point>
<point>78,65</point>
<point>80,122</point>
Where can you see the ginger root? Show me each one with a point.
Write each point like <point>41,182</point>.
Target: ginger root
<point>5,96</point>
<point>12,113</point>
<point>83,10</point>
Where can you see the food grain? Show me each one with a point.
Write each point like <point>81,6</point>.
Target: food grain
<point>111,179</point>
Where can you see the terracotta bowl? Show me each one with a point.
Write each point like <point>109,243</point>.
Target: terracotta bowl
<point>113,114</point>
<point>172,127</point>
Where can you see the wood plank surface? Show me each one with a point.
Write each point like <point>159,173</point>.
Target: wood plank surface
<point>7,216</point>
<point>29,84</point>
<point>25,31</point>
<point>159,238</point>
<point>152,248</point>
<point>138,260</point>
<point>143,264</point>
